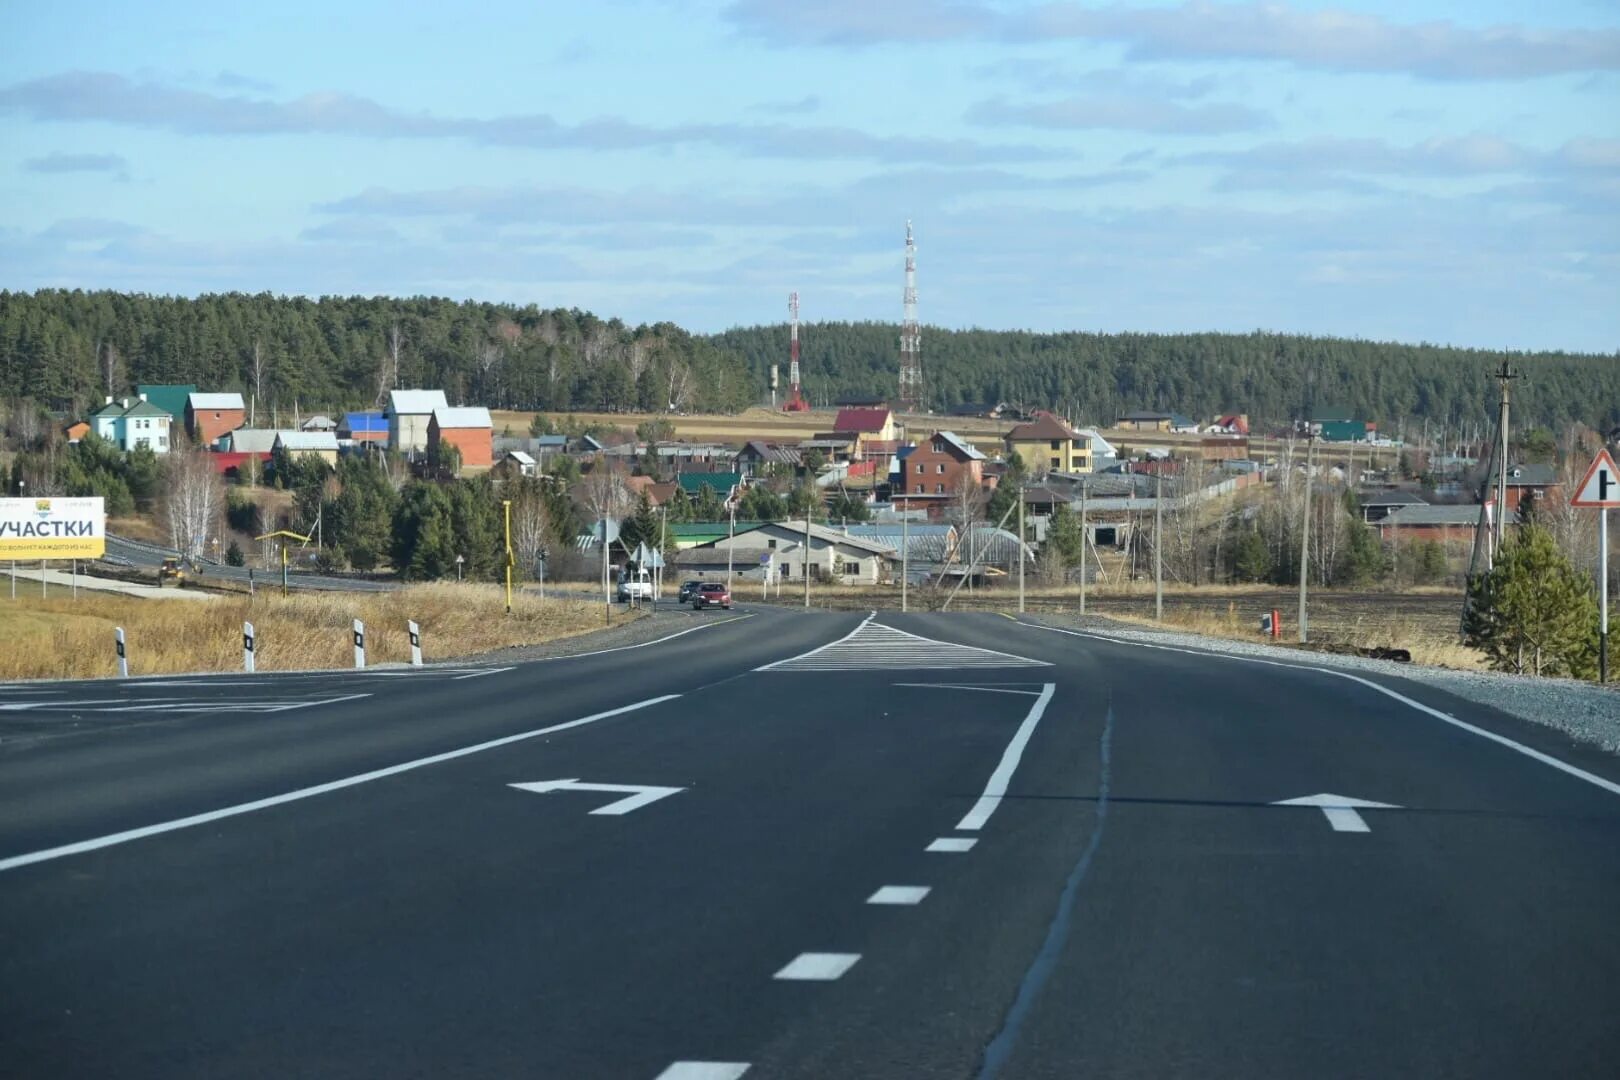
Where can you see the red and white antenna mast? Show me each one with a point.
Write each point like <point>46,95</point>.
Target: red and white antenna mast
<point>795,401</point>
<point>911,380</point>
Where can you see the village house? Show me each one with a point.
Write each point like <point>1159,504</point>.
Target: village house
<point>1447,524</point>
<point>409,413</point>
<point>468,429</point>
<point>208,416</point>
<point>130,425</point>
<point>363,429</point>
<point>1048,443</point>
<point>935,472</point>
<point>778,548</point>
<point>1532,483</point>
<point>304,444</point>
<point>866,426</point>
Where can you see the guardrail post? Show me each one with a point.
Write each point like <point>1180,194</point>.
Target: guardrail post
<point>416,642</point>
<point>123,659</point>
<point>247,647</point>
<point>359,644</point>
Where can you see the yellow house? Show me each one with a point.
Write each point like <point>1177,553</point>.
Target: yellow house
<point>321,444</point>
<point>1048,444</point>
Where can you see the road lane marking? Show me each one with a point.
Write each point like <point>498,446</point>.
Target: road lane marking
<point>964,686</point>
<point>480,674</point>
<point>309,792</point>
<point>1530,752</point>
<point>706,625</point>
<point>874,646</point>
<point>817,967</point>
<point>1340,810</point>
<point>952,844</point>
<point>704,1070</point>
<point>904,895</point>
<point>997,787</point>
<point>639,794</point>
<point>1000,1048</point>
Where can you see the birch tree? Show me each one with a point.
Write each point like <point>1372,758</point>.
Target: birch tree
<point>193,501</point>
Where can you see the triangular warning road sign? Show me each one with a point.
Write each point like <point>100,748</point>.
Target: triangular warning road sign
<point>1600,487</point>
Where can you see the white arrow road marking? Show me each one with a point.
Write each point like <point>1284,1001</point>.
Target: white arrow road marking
<point>1340,810</point>
<point>641,794</point>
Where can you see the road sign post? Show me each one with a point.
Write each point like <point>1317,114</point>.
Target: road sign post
<point>123,659</point>
<point>359,644</point>
<point>247,647</point>
<point>1599,490</point>
<point>416,642</point>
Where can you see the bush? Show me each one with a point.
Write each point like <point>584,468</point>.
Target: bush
<point>234,556</point>
<point>1534,611</point>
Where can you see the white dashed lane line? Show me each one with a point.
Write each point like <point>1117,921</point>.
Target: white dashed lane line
<point>952,844</point>
<point>704,1070</point>
<point>817,967</point>
<point>904,895</point>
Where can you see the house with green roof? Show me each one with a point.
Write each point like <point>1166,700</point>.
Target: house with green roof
<point>130,425</point>
<point>721,483</point>
<point>171,398</point>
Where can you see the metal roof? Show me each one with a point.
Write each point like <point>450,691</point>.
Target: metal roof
<point>962,445</point>
<point>365,421</point>
<point>415,402</point>
<point>469,416</point>
<point>720,483</point>
<point>1045,428</point>
<point>170,397</point>
<point>1532,475</point>
<point>307,440</point>
<point>1463,514</point>
<point>215,401</point>
<point>252,440</point>
<point>865,421</point>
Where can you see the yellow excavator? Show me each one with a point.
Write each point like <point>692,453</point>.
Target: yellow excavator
<point>171,572</point>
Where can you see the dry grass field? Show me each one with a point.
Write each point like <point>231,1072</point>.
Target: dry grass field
<point>1423,621</point>
<point>66,638</point>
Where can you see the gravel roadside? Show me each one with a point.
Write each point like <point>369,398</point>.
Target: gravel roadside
<point>1582,710</point>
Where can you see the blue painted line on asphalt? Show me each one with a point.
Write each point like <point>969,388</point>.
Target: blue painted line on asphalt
<point>1000,1049</point>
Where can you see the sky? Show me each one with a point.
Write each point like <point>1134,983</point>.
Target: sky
<point>1412,171</point>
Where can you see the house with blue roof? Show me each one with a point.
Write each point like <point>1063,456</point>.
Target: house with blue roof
<point>362,428</point>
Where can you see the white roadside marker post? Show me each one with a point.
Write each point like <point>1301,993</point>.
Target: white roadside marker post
<point>416,642</point>
<point>123,659</point>
<point>247,648</point>
<point>359,644</point>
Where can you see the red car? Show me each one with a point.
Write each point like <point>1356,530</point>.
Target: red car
<point>711,594</point>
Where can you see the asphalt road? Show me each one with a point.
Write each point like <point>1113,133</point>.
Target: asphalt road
<point>136,553</point>
<point>945,846</point>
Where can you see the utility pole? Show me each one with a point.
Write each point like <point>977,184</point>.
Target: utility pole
<point>807,557</point>
<point>506,506</point>
<point>1020,549</point>
<point>1085,545</point>
<point>731,542</point>
<point>1158,554</point>
<point>1505,376</point>
<point>1305,542</point>
<point>905,556</point>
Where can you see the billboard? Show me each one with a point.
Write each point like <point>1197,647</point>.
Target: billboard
<point>53,528</point>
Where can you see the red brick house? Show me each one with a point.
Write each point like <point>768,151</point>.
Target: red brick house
<point>469,430</point>
<point>933,473</point>
<point>208,416</point>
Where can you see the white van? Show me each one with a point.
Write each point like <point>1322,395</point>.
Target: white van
<point>635,585</point>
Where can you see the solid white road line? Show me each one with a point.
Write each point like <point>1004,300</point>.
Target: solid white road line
<point>997,787</point>
<point>706,625</point>
<point>704,1070</point>
<point>1546,759</point>
<point>963,686</point>
<point>905,895</point>
<point>304,793</point>
<point>480,674</point>
<point>952,844</point>
<point>817,967</point>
